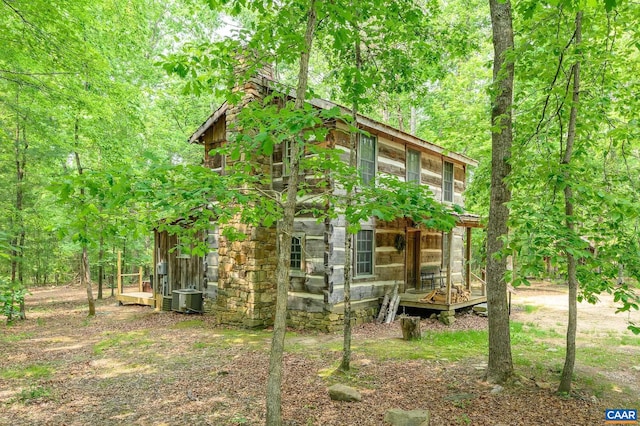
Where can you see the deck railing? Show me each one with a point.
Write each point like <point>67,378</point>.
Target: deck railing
<point>483,284</point>
<point>119,287</point>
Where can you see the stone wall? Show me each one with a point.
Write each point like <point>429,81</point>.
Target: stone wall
<point>330,321</point>
<point>246,285</point>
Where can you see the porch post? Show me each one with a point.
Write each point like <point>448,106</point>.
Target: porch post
<point>449,266</point>
<point>405,284</point>
<point>467,256</point>
<point>119,282</point>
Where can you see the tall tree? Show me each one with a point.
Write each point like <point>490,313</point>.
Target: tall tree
<point>285,233</point>
<point>365,63</point>
<point>500,366</point>
<point>575,195</point>
<point>572,279</point>
<point>21,146</point>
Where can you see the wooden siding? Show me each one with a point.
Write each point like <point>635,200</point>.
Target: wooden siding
<point>182,272</point>
<point>214,137</point>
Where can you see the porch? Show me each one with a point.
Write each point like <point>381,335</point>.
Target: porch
<point>438,273</point>
<point>136,291</point>
<point>421,300</point>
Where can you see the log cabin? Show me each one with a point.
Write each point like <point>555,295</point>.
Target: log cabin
<point>430,269</point>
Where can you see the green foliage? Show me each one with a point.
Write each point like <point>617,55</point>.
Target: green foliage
<point>80,78</point>
<point>452,345</point>
<point>126,341</point>
<point>603,168</point>
<point>11,297</point>
<point>33,371</point>
<point>33,394</point>
<point>11,338</point>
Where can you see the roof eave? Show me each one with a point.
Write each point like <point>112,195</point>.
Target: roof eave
<point>195,137</point>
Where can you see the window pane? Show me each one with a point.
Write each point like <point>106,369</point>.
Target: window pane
<point>286,158</point>
<point>413,166</point>
<point>447,182</point>
<point>296,253</point>
<point>364,253</point>
<point>367,157</point>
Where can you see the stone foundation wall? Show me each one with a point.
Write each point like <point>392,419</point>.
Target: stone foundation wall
<point>329,321</point>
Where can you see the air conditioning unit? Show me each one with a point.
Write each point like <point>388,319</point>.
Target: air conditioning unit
<point>187,300</point>
<point>167,301</point>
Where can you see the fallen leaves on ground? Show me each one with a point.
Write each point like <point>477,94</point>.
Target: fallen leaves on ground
<point>132,366</point>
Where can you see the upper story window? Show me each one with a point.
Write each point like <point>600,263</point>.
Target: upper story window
<point>413,166</point>
<point>367,158</point>
<point>447,182</point>
<point>296,252</point>
<point>286,158</point>
<point>364,252</point>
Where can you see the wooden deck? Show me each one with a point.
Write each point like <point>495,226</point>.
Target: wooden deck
<point>412,300</point>
<point>136,298</point>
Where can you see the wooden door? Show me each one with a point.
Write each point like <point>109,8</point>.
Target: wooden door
<point>413,259</point>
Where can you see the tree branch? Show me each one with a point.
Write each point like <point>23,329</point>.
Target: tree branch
<point>38,73</point>
<point>551,86</point>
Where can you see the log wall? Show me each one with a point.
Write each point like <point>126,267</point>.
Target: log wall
<point>241,275</point>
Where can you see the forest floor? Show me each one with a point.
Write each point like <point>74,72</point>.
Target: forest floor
<point>132,366</point>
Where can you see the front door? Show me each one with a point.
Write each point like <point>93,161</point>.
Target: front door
<point>413,259</point>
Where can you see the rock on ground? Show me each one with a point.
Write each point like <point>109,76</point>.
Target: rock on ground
<point>398,417</point>
<point>340,392</point>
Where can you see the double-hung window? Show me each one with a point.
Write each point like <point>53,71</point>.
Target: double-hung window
<point>447,182</point>
<point>367,158</point>
<point>413,166</point>
<point>364,252</point>
<point>296,253</point>
<point>286,158</point>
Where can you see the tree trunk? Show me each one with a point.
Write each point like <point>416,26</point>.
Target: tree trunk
<point>572,279</point>
<point>285,229</point>
<point>85,278</point>
<point>410,328</point>
<point>100,266</point>
<point>112,280</point>
<point>345,365</point>
<point>17,229</point>
<point>500,366</point>
<point>85,281</point>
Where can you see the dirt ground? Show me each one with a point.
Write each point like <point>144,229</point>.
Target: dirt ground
<point>132,366</point>
<point>551,301</point>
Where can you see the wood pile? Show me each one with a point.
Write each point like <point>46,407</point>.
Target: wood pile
<point>458,294</point>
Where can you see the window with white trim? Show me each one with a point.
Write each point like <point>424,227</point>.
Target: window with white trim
<point>413,166</point>
<point>367,158</point>
<point>364,252</point>
<point>447,182</point>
